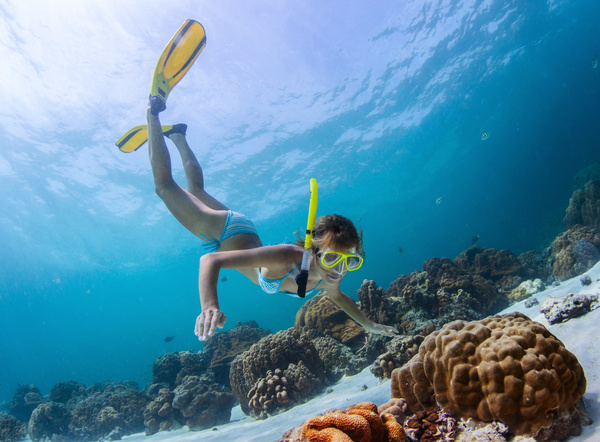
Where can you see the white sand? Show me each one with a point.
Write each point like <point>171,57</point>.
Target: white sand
<point>580,336</point>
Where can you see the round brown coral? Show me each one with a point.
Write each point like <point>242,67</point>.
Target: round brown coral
<point>507,368</point>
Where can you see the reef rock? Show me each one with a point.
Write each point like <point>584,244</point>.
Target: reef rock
<point>584,207</point>
<point>338,358</point>
<point>324,315</point>
<point>99,414</point>
<point>63,392</point>
<point>399,351</point>
<point>569,306</point>
<point>25,400</point>
<point>173,367</point>
<point>159,415</point>
<point>294,355</point>
<point>203,404</point>
<point>576,251</point>
<point>501,267</point>
<point>49,421</point>
<point>11,428</point>
<point>505,368</point>
<point>526,289</point>
<point>226,346</point>
<point>441,293</point>
<point>537,264</point>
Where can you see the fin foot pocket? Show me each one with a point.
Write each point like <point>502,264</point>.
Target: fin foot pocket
<point>157,105</point>
<point>180,128</point>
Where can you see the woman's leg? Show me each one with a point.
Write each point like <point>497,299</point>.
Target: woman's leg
<point>197,211</point>
<point>193,172</point>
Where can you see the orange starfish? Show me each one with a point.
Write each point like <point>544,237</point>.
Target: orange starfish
<point>359,423</point>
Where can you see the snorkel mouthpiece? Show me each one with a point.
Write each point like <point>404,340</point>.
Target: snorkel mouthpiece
<point>302,277</point>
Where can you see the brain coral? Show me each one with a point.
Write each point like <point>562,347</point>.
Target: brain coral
<point>507,368</point>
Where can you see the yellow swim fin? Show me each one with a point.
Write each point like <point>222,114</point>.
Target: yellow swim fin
<point>176,59</point>
<point>137,136</point>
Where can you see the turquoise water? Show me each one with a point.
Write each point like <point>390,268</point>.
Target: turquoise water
<point>385,104</point>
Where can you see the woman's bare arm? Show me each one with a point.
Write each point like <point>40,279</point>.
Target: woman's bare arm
<point>283,255</point>
<point>347,304</point>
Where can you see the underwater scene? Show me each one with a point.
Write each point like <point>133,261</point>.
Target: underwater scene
<point>446,154</point>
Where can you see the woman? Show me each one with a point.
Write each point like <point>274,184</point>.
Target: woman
<point>233,241</point>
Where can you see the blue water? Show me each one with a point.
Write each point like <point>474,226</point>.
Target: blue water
<point>385,104</point>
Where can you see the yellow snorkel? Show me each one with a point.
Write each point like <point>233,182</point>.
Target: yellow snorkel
<point>302,277</point>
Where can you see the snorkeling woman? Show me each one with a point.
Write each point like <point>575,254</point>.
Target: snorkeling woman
<point>232,240</point>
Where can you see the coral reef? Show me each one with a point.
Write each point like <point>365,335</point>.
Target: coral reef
<point>538,264</point>
<point>399,351</point>
<point>576,251</point>
<point>160,415</point>
<point>501,267</point>
<point>584,206</point>
<point>48,421</point>
<point>11,428</point>
<point>24,401</point>
<point>338,359</point>
<point>268,393</point>
<point>290,351</point>
<point>63,392</point>
<point>430,426</point>
<point>396,407</point>
<point>444,291</point>
<point>507,368</point>
<point>322,314</point>
<point>203,404</point>
<point>173,367</point>
<point>359,423</point>
<point>569,306</point>
<point>102,412</point>
<point>226,346</point>
<point>526,289</point>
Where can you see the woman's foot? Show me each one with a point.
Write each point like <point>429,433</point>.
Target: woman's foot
<point>180,128</point>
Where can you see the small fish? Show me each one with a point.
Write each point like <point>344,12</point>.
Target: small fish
<point>475,239</point>
<point>438,200</point>
<point>400,249</point>
<point>594,62</point>
<point>224,278</point>
<point>485,136</point>
<point>169,338</point>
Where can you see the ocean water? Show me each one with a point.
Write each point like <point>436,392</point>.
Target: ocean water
<point>384,103</point>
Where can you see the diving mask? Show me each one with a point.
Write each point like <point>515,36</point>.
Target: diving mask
<point>330,260</point>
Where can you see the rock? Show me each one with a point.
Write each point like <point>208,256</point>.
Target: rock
<point>569,306</point>
<point>290,351</point>
<point>48,421</point>
<point>25,400</point>
<point>576,251</point>
<point>526,289</point>
<point>531,302</point>
<point>11,428</point>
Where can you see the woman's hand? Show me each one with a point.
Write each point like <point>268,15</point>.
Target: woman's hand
<point>381,329</point>
<point>208,321</point>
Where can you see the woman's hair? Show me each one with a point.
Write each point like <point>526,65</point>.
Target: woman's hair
<point>335,232</point>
